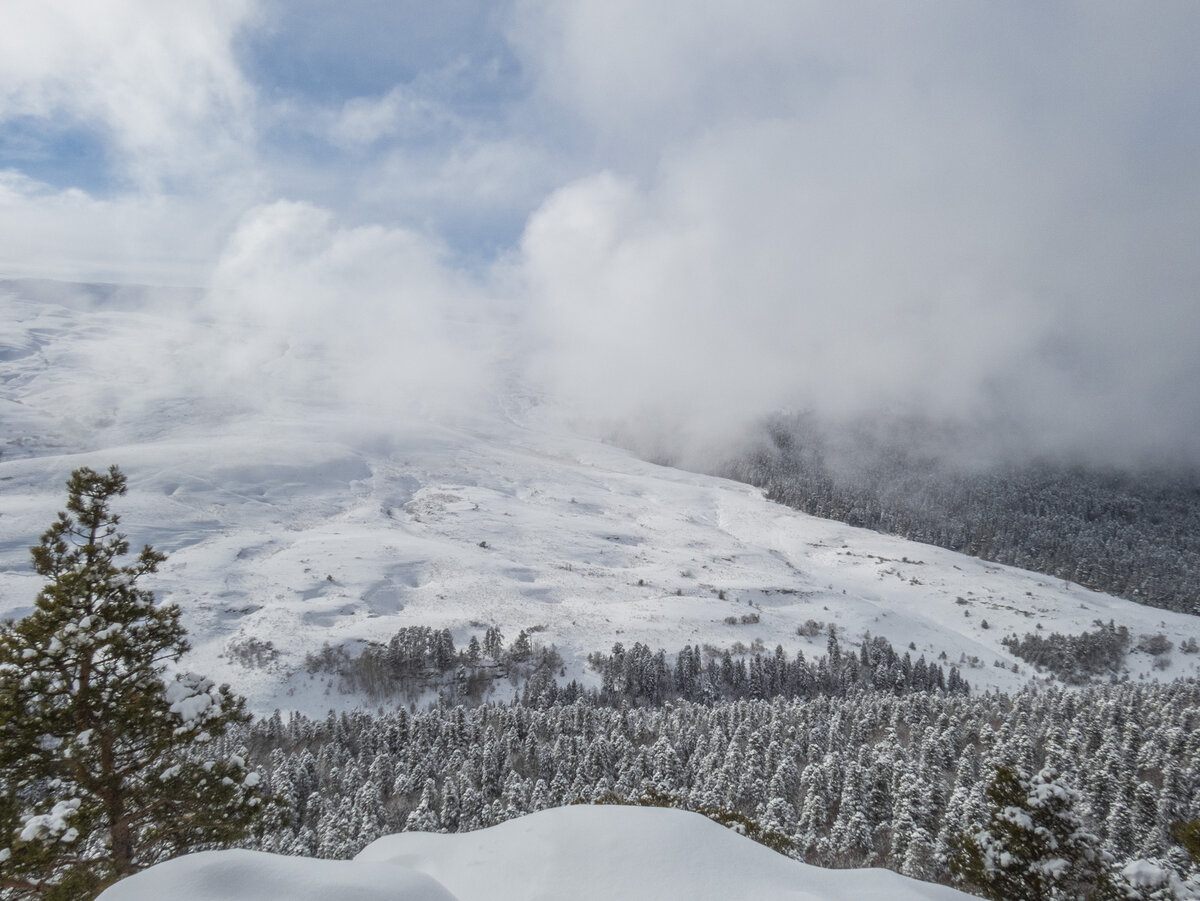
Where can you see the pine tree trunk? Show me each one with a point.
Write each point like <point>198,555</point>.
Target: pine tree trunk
<point>119,835</point>
<point>122,847</point>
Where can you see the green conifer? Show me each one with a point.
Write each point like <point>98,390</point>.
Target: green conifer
<point>105,766</point>
<point>1034,846</point>
<point>1188,835</point>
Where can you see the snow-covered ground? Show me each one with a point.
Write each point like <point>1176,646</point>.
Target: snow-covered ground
<point>305,521</point>
<point>576,853</point>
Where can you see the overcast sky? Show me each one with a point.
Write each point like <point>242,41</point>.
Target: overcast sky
<point>678,212</point>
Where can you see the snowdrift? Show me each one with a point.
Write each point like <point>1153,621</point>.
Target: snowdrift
<point>568,853</point>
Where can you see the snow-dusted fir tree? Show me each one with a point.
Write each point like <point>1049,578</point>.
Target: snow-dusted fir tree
<point>105,766</point>
<point>1034,846</point>
<point>424,817</point>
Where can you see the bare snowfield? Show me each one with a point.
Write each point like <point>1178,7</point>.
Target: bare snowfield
<point>577,853</point>
<point>309,522</point>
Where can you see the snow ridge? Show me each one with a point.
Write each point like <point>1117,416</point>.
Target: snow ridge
<point>580,853</point>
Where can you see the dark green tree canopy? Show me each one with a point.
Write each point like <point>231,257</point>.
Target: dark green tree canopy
<point>105,766</point>
<point>1034,846</point>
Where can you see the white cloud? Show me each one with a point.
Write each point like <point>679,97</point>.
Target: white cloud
<point>735,207</point>
<point>727,290</point>
<point>71,235</point>
<point>160,79</point>
<point>310,311</point>
<point>945,208</point>
<point>158,87</point>
<point>362,121</point>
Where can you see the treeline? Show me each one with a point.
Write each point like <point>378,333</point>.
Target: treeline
<point>1076,659</point>
<point>419,661</point>
<point>1133,535</point>
<point>869,779</point>
<point>640,676</point>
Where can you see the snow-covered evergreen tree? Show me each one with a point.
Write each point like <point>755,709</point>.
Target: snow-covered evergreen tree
<point>105,767</point>
<point>424,817</point>
<point>1033,846</point>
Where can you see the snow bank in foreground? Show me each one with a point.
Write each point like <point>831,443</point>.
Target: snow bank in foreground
<point>568,853</point>
<point>256,876</point>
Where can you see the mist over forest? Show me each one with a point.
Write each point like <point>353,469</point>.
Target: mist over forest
<point>1133,531</point>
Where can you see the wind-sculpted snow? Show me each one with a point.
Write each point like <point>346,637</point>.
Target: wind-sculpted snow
<point>255,876</point>
<point>302,522</point>
<point>569,854</point>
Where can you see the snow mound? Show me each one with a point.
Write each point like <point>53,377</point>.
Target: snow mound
<point>569,853</point>
<point>257,876</point>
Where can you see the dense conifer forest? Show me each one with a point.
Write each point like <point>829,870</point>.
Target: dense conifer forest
<point>867,778</point>
<point>858,757</point>
<point>1135,535</point>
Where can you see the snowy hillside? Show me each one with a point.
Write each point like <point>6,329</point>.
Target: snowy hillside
<point>569,853</point>
<point>312,519</point>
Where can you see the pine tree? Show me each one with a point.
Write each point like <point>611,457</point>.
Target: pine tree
<point>105,768</point>
<point>424,817</point>
<point>1034,846</point>
<point>1188,835</point>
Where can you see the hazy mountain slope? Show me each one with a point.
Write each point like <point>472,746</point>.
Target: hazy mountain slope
<point>570,853</point>
<point>1132,532</point>
<point>306,521</point>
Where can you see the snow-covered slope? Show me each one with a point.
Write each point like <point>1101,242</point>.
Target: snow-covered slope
<point>575,853</point>
<point>307,521</point>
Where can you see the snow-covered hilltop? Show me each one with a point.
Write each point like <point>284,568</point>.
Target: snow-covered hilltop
<point>576,853</point>
<point>307,522</point>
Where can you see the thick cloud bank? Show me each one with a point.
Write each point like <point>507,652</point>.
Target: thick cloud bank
<point>372,317</point>
<point>668,220</point>
<point>980,212</point>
